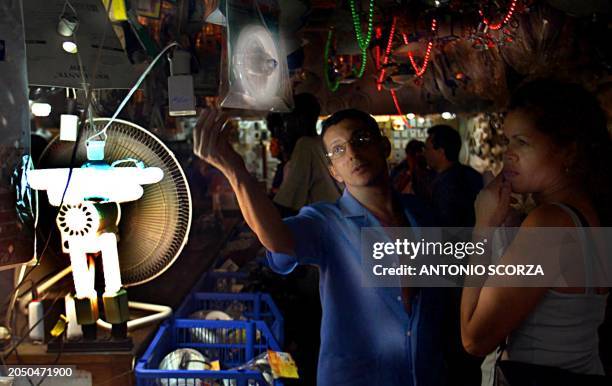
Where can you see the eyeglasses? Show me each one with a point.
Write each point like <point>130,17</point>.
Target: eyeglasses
<point>358,140</point>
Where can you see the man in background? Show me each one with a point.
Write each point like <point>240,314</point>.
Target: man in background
<point>453,191</point>
<point>455,186</point>
<point>306,179</point>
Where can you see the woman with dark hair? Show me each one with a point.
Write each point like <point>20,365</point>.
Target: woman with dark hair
<point>559,152</point>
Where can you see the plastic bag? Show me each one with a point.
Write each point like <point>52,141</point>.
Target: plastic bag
<point>258,76</point>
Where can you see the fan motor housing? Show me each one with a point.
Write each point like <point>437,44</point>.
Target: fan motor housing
<point>86,221</point>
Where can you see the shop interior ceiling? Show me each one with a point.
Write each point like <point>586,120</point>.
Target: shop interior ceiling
<point>471,66</point>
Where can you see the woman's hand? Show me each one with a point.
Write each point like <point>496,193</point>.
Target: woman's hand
<point>492,204</point>
<point>210,141</point>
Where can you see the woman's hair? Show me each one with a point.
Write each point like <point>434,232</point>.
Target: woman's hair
<point>569,114</point>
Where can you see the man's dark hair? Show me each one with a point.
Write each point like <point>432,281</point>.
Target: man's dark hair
<point>447,138</point>
<point>275,124</point>
<point>414,146</point>
<point>353,114</point>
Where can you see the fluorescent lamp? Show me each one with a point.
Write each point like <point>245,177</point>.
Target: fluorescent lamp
<point>81,275</point>
<point>118,185</point>
<point>447,115</point>
<point>110,261</point>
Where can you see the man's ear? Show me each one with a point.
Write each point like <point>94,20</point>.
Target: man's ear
<point>386,147</point>
<point>334,173</point>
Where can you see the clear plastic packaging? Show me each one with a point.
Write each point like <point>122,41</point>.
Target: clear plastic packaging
<point>258,76</point>
<point>17,200</point>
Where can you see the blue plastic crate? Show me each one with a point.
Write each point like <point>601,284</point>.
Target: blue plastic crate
<point>254,306</point>
<point>233,343</point>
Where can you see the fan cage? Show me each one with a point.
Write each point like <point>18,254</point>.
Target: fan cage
<point>154,229</point>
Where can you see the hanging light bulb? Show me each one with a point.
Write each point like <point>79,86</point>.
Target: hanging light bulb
<point>66,27</point>
<point>39,109</point>
<point>70,47</point>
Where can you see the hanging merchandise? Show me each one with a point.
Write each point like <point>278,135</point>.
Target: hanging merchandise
<point>258,76</point>
<point>420,70</point>
<point>498,25</point>
<point>472,79</point>
<point>502,22</point>
<point>385,59</point>
<point>54,29</point>
<point>486,142</point>
<point>381,76</point>
<point>338,68</point>
<point>330,73</point>
<point>363,41</point>
<point>550,33</point>
<point>397,107</point>
<point>16,238</point>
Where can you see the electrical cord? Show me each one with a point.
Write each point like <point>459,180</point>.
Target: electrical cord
<point>27,333</point>
<point>57,357</point>
<point>4,357</point>
<point>89,93</point>
<point>132,91</point>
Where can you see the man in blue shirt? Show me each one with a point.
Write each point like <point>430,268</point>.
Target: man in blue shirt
<point>369,336</point>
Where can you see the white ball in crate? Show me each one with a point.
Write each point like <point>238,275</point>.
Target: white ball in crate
<point>183,359</point>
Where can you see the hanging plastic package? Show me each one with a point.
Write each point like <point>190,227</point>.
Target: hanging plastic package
<point>258,76</point>
<point>16,201</point>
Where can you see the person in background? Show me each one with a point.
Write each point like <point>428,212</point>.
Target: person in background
<point>453,191</point>
<point>306,179</point>
<point>455,186</point>
<point>560,152</point>
<point>369,336</point>
<point>411,176</point>
<point>278,145</point>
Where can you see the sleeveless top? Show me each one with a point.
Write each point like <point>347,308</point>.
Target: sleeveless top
<point>562,330</point>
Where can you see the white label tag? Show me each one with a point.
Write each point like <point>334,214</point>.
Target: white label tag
<point>68,127</point>
<point>180,96</point>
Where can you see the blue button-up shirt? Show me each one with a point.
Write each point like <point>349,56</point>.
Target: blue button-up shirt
<point>367,337</point>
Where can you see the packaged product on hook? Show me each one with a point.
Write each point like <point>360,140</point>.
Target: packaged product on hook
<point>258,76</point>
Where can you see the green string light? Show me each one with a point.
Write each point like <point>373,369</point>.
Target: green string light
<point>333,86</point>
<point>363,42</point>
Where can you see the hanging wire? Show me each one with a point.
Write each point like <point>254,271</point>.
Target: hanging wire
<point>132,91</point>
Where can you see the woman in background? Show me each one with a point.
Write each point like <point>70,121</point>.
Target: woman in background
<point>559,151</point>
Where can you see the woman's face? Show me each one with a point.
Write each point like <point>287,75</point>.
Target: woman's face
<point>532,162</point>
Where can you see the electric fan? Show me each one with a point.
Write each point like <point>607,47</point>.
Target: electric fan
<point>151,230</point>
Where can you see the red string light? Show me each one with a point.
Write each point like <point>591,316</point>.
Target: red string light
<point>421,71</point>
<point>377,48</point>
<point>505,20</point>
<point>381,77</point>
<point>397,107</point>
